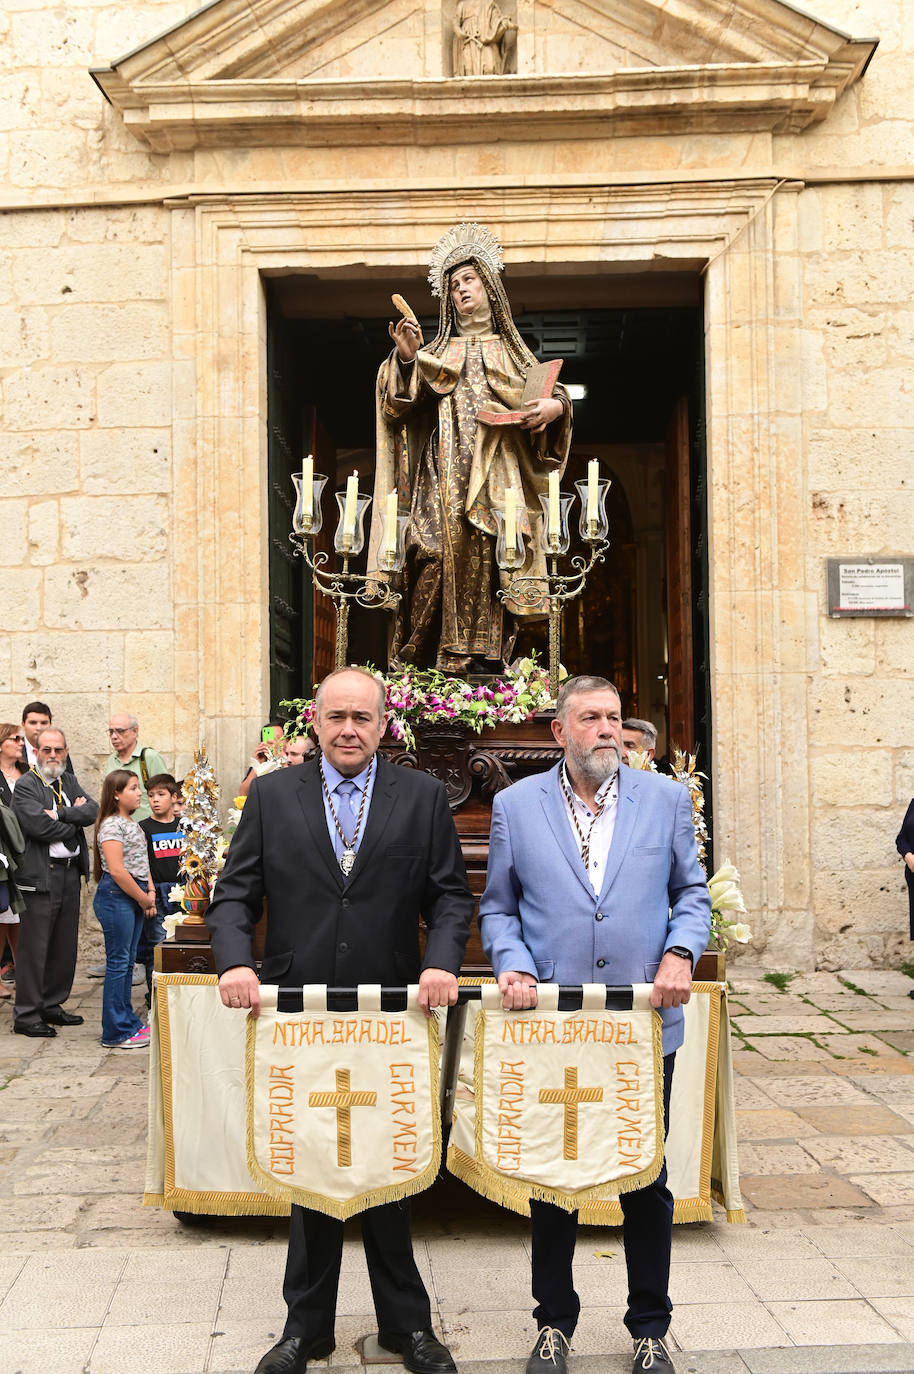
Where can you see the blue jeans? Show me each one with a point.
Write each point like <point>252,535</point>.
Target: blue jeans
<point>121,920</point>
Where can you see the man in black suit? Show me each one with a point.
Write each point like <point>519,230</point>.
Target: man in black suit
<point>348,851</point>
<point>53,811</point>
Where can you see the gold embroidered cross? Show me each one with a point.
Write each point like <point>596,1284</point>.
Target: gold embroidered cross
<point>570,1096</point>
<point>344,1100</point>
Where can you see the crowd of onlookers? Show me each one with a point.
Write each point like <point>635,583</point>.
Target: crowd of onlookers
<point>54,835</point>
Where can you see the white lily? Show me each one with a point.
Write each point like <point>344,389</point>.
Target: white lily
<point>741,933</point>
<point>176,893</point>
<point>170,922</point>
<point>637,758</point>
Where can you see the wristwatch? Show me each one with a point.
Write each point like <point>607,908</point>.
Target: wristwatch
<point>681,951</point>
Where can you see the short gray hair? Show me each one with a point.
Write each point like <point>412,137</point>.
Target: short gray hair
<point>50,730</point>
<point>577,686</point>
<point>644,727</point>
<point>365,672</point>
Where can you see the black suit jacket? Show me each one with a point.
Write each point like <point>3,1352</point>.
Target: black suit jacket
<point>321,926</point>
<point>31,800</point>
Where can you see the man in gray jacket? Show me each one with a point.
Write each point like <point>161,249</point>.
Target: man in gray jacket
<point>53,811</point>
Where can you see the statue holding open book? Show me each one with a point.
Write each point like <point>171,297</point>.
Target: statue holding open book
<point>462,420</point>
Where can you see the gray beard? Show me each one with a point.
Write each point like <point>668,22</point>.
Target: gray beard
<point>596,764</point>
<point>50,772</point>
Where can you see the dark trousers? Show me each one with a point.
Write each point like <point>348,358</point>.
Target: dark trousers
<point>647,1234</point>
<point>313,1272</point>
<point>48,937</point>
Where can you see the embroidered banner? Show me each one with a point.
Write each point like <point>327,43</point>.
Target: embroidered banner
<point>567,1106</point>
<point>342,1108</point>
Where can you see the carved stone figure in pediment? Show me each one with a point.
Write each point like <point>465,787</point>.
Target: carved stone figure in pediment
<point>480,38</point>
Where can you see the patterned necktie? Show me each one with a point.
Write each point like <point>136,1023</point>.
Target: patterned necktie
<point>346,791</point>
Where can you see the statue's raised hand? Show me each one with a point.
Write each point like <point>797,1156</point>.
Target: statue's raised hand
<point>407,335</point>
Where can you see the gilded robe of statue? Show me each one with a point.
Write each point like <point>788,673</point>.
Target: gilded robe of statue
<point>450,471</point>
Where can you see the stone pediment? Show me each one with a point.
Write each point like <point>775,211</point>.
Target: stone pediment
<point>249,72</point>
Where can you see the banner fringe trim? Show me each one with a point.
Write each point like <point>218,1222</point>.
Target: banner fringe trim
<point>224,1204</point>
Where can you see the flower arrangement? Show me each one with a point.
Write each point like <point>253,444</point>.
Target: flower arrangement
<point>723,886</point>
<point>726,897</point>
<point>203,850</point>
<point>685,770</point>
<point>427,697</point>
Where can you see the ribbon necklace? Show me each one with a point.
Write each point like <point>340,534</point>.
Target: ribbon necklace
<point>347,858</point>
<point>54,786</point>
<point>584,839</point>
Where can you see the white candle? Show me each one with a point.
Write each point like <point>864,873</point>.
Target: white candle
<point>390,545</point>
<point>307,488</point>
<point>349,509</point>
<point>555,527</point>
<point>510,519</point>
<point>593,477</point>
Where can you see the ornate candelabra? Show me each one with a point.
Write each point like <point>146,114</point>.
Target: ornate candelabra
<point>554,587</point>
<point>341,585</point>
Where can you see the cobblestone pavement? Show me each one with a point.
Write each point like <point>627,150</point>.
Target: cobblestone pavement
<point>821,1278</point>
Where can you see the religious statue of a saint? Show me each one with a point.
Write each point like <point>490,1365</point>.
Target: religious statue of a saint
<point>480,38</point>
<point>451,470</point>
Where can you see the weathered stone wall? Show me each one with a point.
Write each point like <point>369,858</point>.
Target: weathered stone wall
<point>116,450</point>
<point>857,243</point>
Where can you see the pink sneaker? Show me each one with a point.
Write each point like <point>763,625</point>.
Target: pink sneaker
<point>140,1041</point>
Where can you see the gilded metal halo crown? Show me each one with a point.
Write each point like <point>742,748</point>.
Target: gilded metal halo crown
<point>463,241</point>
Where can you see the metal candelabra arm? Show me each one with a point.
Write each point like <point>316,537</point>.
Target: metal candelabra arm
<point>343,587</point>
<point>556,588</point>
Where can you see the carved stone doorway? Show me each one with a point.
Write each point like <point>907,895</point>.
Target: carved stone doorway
<point>634,349</point>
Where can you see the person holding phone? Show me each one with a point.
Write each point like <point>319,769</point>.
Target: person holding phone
<point>267,755</point>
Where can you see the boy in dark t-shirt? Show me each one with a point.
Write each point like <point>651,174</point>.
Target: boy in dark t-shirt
<point>163,840</point>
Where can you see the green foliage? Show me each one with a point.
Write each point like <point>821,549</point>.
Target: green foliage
<point>780,980</point>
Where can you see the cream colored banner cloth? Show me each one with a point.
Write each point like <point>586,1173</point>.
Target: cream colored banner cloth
<point>568,1104</point>
<point>701,1151</point>
<point>342,1108</point>
<point>195,1159</point>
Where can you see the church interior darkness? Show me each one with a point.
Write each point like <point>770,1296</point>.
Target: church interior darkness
<point>634,344</point>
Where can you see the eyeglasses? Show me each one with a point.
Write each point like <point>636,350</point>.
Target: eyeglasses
<point>126,730</point>
<point>20,739</point>
<point>51,749</point>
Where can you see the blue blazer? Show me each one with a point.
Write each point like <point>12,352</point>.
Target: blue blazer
<point>540,915</point>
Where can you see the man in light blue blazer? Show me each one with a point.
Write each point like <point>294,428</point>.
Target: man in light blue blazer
<point>594,877</point>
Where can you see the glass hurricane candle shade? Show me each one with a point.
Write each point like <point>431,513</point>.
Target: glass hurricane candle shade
<point>351,543</point>
<point>594,530</point>
<point>506,556</point>
<point>391,556</point>
<point>307,521</point>
<point>558,541</point>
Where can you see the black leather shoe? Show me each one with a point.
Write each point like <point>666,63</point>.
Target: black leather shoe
<point>420,1351</point>
<point>61,1018</point>
<point>651,1353</point>
<point>36,1029</point>
<point>548,1355</point>
<point>291,1356</point>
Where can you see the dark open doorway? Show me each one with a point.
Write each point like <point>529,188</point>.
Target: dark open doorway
<point>635,347</point>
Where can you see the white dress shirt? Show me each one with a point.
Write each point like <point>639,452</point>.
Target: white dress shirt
<point>599,824</point>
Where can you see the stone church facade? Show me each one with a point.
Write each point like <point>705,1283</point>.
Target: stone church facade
<point>764,153</point>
